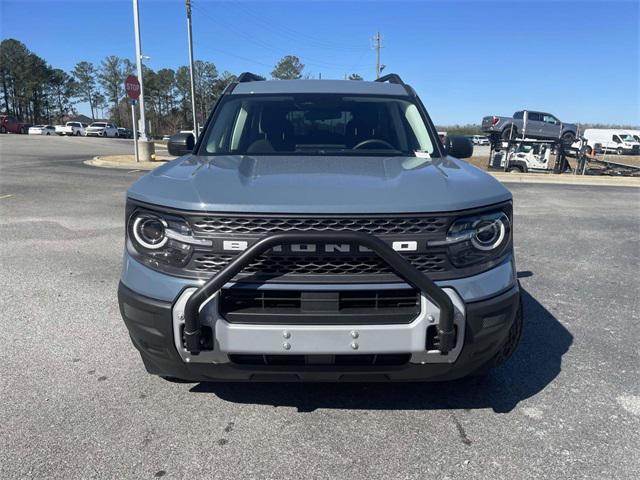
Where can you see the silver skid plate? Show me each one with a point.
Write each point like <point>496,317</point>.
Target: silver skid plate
<point>319,339</point>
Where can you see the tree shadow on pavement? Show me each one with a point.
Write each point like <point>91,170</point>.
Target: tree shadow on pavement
<point>535,364</point>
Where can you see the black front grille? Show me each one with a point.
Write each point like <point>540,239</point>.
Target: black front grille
<point>286,266</point>
<point>390,225</point>
<point>387,359</point>
<point>244,305</point>
<point>229,233</point>
<point>306,265</point>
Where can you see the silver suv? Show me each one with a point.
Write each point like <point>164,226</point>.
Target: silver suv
<point>319,231</point>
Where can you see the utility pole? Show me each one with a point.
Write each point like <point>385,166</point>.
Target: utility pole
<point>191,73</point>
<point>136,25</point>
<point>377,39</point>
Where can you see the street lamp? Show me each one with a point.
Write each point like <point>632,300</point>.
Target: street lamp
<point>147,147</point>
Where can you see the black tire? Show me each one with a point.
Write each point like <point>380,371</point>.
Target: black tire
<point>21,131</point>
<point>588,150</point>
<point>619,151</point>
<point>508,133</point>
<point>568,138</point>
<point>515,169</point>
<point>48,134</point>
<point>3,129</point>
<point>77,133</point>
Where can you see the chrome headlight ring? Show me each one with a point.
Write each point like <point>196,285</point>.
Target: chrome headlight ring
<point>148,235</point>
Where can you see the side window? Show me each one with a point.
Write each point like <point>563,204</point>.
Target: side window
<point>534,117</point>
<point>417,131</point>
<point>546,118</point>
<point>518,115</point>
<point>238,129</point>
<point>616,139</point>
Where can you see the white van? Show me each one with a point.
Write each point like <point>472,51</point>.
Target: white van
<point>635,134</point>
<point>612,140</point>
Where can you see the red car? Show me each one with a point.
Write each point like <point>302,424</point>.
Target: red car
<point>9,123</point>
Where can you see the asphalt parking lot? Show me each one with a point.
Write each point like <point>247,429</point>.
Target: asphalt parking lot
<point>77,403</point>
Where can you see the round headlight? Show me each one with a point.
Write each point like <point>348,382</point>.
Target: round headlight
<point>149,232</point>
<point>489,233</point>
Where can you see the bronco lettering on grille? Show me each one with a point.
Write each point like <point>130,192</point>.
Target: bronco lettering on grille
<point>240,245</point>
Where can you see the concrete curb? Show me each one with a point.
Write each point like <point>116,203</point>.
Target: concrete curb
<point>102,163</point>
<point>567,179</point>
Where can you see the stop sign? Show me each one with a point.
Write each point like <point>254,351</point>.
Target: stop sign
<point>132,87</point>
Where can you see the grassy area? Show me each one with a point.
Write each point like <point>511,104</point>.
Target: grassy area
<point>480,162</point>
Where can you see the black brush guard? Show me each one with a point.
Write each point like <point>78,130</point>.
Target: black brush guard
<point>404,269</point>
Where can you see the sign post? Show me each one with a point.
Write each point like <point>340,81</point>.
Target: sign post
<point>132,87</point>
<point>135,128</point>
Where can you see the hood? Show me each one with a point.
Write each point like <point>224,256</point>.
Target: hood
<point>311,184</point>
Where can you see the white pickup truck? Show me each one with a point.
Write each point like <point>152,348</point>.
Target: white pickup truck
<point>71,129</point>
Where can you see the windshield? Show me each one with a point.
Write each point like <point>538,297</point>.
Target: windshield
<point>316,124</point>
<point>102,125</point>
<point>627,138</point>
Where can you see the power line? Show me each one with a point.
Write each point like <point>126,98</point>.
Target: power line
<point>292,34</point>
<point>262,44</point>
<point>239,57</point>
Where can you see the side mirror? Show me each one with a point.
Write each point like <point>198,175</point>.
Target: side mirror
<point>181,144</point>
<point>459,146</point>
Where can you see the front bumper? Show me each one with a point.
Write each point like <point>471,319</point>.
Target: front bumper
<point>152,327</point>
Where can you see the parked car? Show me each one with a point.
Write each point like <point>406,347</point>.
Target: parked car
<point>124,133</point>
<point>10,124</point>
<point>539,125</point>
<point>101,129</point>
<point>71,129</point>
<point>479,140</point>
<point>611,141</point>
<point>320,231</point>
<point>42,130</point>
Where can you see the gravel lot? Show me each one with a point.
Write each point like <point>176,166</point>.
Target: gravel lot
<point>77,403</point>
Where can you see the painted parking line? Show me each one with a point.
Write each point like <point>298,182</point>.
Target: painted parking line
<point>134,171</point>
<point>6,196</point>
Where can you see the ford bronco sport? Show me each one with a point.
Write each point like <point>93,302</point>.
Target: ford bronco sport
<point>319,231</point>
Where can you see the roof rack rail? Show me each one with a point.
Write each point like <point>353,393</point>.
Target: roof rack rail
<point>249,77</point>
<point>391,78</point>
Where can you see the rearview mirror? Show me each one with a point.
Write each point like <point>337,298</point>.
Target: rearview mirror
<point>181,144</point>
<point>459,146</point>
